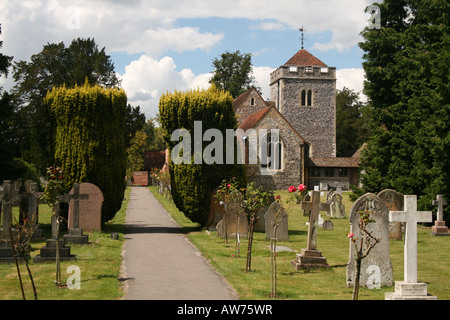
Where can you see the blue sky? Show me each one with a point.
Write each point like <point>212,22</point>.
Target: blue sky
<point>159,46</point>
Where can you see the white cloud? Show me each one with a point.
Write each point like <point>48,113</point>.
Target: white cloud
<point>262,77</point>
<point>353,79</point>
<point>146,79</point>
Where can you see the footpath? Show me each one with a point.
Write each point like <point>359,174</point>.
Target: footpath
<point>160,263</point>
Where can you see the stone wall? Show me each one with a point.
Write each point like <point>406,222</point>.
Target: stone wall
<point>292,168</point>
<point>246,107</point>
<point>316,124</point>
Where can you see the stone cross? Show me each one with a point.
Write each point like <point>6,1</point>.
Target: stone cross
<point>314,206</point>
<point>76,196</point>
<point>440,202</point>
<point>411,216</point>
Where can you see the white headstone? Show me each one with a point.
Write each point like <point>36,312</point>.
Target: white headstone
<point>410,288</point>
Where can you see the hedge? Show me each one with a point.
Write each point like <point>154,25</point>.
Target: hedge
<point>89,139</point>
<point>192,184</point>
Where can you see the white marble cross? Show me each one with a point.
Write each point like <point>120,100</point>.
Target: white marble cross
<point>411,216</point>
<point>440,202</point>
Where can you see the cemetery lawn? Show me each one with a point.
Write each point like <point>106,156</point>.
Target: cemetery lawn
<point>322,284</point>
<point>99,264</point>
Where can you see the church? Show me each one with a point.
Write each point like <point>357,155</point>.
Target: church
<point>300,121</point>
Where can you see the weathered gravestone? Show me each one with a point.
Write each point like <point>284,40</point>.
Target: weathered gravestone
<point>439,228</point>
<point>376,268</point>
<point>394,202</point>
<point>90,207</point>
<point>337,208</point>
<point>410,288</point>
<point>311,257</point>
<point>235,219</point>
<point>50,250</point>
<point>276,215</point>
<point>7,198</point>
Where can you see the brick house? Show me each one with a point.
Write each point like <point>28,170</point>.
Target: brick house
<point>303,110</point>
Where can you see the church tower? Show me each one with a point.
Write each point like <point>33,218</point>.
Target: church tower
<point>304,92</point>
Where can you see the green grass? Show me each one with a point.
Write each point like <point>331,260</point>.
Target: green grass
<point>99,264</point>
<point>323,284</point>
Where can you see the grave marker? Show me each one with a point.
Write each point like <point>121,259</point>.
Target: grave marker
<point>410,288</point>
<point>234,217</point>
<point>394,202</point>
<point>311,257</point>
<point>281,219</point>
<point>439,228</point>
<point>376,268</point>
<point>48,252</point>
<point>75,234</point>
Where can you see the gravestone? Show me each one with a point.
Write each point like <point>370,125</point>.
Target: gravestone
<point>311,257</point>
<point>276,214</point>
<point>48,252</point>
<point>90,208</point>
<point>439,228</point>
<point>74,198</point>
<point>410,288</point>
<point>235,219</point>
<point>376,268</point>
<point>394,202</point>
<point>337,208</point>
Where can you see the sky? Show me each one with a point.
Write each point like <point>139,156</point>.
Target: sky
<point>159,46</point>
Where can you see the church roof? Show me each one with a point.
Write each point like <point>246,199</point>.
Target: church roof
<point>253,119</point>
<point>304,58</point>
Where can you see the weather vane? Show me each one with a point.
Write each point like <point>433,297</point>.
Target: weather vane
<point>302,35</point>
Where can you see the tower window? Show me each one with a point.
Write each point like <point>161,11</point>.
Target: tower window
<point>308,69</point>
<point>309,98</point>
<point>306,98</point>
<point>293,69</point>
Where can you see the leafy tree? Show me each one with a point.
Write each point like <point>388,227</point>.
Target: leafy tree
<point>54,66</point>
<point>406,65</point>
<point>134,121</point>
<point>351,122</point>
<point>233,72</point>
<point>141,142</point>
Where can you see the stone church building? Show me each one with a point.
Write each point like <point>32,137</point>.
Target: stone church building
<point>302,110</point>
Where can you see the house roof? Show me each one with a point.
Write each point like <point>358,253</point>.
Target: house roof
<point>253,119</point>
<point>339,162</point>
<point>304,58</point>
<point>241,98</point>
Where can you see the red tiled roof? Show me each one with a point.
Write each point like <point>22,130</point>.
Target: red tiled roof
<point>304,58</point>
<point>253,119</point>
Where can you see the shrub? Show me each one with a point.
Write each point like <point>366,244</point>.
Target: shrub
<point>192,184</point>
<point>89,139</point>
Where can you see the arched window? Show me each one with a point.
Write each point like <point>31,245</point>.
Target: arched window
<point>271,152</point>
<point>303,98</point>
<point>252,101</point>
<point>306,98</point>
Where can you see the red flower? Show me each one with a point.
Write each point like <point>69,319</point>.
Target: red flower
<point>228,185</point>
<point>292,189</point>
<point>350,235</point>
<point>277,197</point>
<point>301,187</point>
